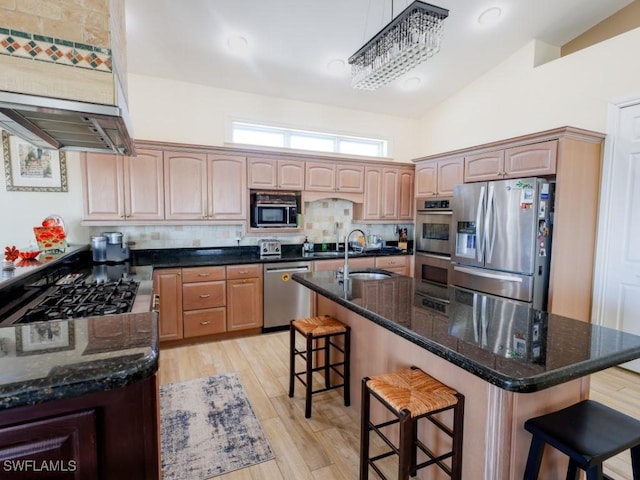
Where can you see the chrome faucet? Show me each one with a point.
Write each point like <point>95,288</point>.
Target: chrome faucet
<point>345,269</point>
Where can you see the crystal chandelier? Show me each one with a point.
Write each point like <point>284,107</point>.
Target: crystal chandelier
<point>409,39</point>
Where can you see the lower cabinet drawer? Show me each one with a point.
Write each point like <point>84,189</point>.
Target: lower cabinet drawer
<point>203,295</point>
<point>205,322</point>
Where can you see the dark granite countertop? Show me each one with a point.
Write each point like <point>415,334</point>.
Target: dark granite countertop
<point>68,358</point>
<point>509,345</point>
<point>199,257</point>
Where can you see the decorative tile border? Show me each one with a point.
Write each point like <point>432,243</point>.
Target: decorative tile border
<point>54,50</point>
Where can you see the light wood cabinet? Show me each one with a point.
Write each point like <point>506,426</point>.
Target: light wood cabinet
<point>438,177</point>
<point>167,284</point>
<point>538,159</point>
<point>209,300</point>
<point>330,177</point>
<point>204,296</point>
<point>271,173</point>
<point>185,184</point>
<point>573,157</point>
<point>405,194</point>
<point>396,263</point>
<point>202,186</point>
<point>123,188</point>
<point>227,187</point>
<point>388,194</point>
<point>244,297</point>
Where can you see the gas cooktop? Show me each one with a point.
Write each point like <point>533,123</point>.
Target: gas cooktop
<point>82,299</point>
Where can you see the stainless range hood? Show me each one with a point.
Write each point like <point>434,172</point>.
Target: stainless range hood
<point>60,124</point>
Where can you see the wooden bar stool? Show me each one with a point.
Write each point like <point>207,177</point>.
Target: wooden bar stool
<point>313,329</point>
<point>589,433</point>
<point>411,395</point>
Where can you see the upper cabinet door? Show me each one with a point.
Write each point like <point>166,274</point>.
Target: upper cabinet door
<point>227,187</point>
<point>144,186</point>
<point>262,172</point>
<point>484,166</point>
<point>320,176</point>
<point>531,160</point>
<point>350,178</point>
<point>290,175</point>
<point>389,193</point>
<point>405,195</point>
<point>103,183</point>
<point>372,200</point>
<point>450,174</point>
<point>426,179</point>
<point>185,185</point>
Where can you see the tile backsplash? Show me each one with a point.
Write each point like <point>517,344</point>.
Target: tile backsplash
<point>323,221</point>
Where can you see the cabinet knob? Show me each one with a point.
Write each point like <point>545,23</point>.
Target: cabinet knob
<point>203,274</point>
<point>205,295</point>
<point>207,322</point>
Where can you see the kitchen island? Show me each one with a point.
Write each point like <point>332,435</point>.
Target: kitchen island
<point>511,362</point>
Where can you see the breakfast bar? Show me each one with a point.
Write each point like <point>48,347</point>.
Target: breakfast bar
<point>511,362</point>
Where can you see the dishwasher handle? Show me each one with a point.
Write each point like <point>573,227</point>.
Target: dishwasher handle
<point>289,269</point>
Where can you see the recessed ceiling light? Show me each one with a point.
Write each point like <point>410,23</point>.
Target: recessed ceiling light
<point>489,16</point>
<point>336,65</point>
<point>237,43</point>
<point>412,83</point>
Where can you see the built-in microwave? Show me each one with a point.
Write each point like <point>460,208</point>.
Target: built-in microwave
<point>274,209</point>
<point>434,233</point>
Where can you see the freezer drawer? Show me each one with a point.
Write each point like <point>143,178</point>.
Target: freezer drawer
<point>503,284</point>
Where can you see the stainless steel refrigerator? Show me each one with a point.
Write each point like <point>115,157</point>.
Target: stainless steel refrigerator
<point>502,242</point>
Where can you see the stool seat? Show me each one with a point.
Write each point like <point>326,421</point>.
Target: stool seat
<point>589,433</point>
<point>413,390</point>
<point>319,326</point>
<point>411,395</point>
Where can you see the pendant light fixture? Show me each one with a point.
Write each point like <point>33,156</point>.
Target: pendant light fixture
<point>408,40</point>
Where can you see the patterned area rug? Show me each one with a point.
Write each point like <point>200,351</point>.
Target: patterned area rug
<point>209,428</point>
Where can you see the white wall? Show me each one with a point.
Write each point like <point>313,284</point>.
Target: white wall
<point>171,111</point>
<point>516,98</point>
<point>21,211</point>
<point>181,112</point>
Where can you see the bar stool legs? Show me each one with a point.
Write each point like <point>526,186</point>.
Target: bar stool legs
<point>411,395</point>
<point>314,329</point>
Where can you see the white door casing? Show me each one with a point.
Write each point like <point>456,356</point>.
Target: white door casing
<point>617,270</point>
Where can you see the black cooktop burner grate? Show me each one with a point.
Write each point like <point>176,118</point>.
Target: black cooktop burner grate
<point>84,300</point>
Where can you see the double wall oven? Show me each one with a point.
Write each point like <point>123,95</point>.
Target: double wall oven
<point>433,244</point>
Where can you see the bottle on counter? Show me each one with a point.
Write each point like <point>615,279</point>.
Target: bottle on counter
<point>307,247</point>
<point>402,239</point>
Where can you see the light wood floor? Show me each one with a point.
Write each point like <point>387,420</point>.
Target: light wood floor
<point>326,446</point>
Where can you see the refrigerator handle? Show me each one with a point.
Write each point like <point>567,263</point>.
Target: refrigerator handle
<point>475,311</point>
<point>489,224</point>
<point>483,323</point>
<point>479,226</point>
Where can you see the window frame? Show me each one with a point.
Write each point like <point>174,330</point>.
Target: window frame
<point>380,144</point>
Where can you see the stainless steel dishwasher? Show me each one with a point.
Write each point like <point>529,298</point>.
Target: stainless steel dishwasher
<point>284,298</point>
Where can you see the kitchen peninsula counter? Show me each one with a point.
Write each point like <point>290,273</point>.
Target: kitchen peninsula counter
<point>61,359</point>
<point>79,393</point>
<point>82,394</point>
<point>511,364</point>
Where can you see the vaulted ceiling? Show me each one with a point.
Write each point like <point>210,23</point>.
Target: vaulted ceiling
<point>298,49</point>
